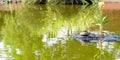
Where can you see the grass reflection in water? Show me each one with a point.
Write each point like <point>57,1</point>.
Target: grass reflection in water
<point>24,29</point>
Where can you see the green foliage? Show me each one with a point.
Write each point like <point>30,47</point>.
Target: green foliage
<point>72,1</point>
<point>28,1</point>
<point>101,20</point>
<point>61,1</point>
<point>95,1</point>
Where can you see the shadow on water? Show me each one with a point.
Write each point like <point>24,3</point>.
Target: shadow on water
<point>42,33</point>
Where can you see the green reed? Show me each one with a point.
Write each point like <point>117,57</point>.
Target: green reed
<point>101,21</point>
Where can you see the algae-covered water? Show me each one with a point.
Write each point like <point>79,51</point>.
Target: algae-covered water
<point>43,33</point>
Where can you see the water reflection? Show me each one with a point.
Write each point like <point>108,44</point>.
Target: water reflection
<point>29,30</point>
<point>108,49</point>
<point>61,36</point>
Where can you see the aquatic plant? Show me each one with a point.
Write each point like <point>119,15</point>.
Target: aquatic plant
<point>101,21</point>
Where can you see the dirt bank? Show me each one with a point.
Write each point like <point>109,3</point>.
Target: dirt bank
<point>111,0</point>
<point>112,6</point>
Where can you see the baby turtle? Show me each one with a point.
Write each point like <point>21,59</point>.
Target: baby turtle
<point>84,33</point>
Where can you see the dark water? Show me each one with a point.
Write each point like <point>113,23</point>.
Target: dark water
<point>43,33</point>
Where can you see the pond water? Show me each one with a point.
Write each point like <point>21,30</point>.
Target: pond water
<point>43,33</point>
